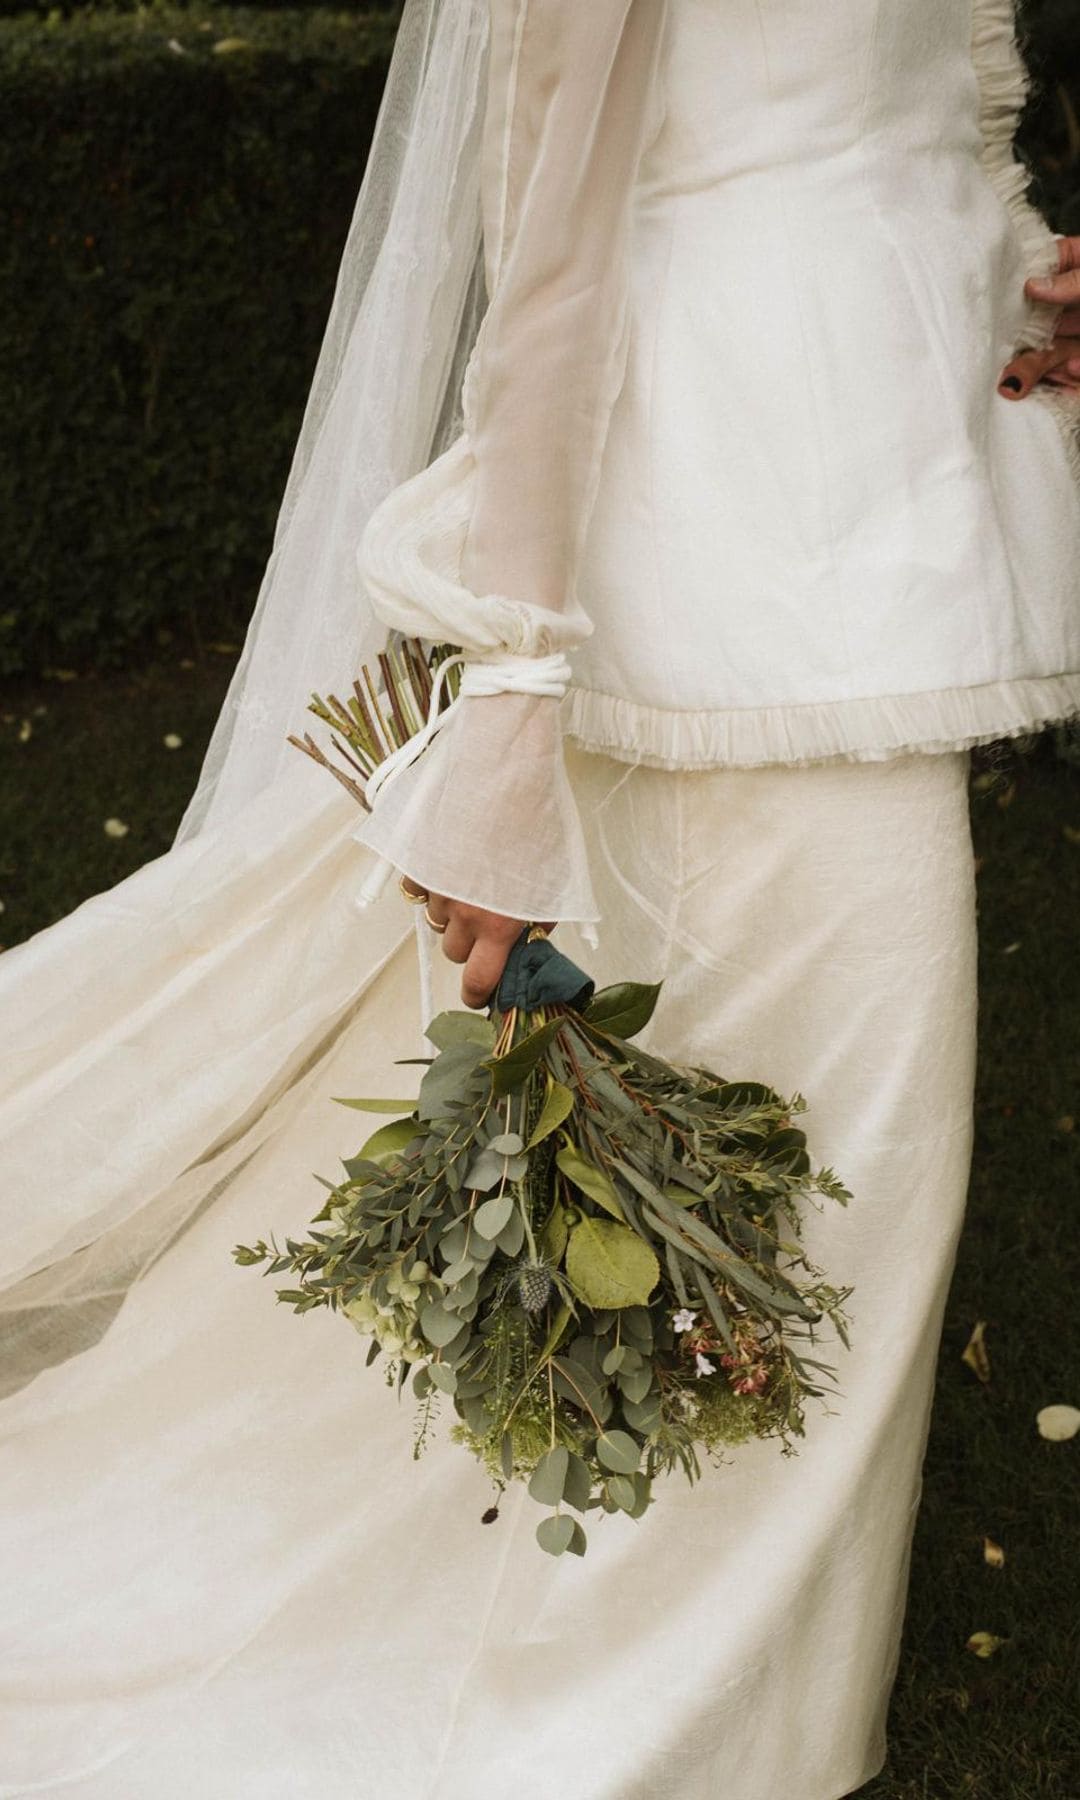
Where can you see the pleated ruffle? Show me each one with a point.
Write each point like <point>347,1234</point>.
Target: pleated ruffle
<point>868,730</point>
<point>1004,83</point>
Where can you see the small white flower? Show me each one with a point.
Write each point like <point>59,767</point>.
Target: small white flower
<point>704,1366</point>
<point>115,828</point>
<point>171,741</point>
<point>684,1319</point>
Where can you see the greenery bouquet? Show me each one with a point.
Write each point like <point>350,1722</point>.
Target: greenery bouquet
<point>586,1253</point>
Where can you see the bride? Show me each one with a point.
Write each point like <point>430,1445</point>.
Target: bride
<point>686,369</point>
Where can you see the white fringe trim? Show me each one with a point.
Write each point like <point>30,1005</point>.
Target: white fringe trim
<point>869,730</point>
<point>1004,82</point>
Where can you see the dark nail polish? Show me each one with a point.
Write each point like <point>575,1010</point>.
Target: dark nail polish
<point>1013,383</point>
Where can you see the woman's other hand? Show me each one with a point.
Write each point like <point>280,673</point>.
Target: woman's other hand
<point>1059,363</point>
<point>481,940</point>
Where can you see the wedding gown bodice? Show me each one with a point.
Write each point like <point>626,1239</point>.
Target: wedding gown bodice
<point>815,508</point>
<point>733,436</point>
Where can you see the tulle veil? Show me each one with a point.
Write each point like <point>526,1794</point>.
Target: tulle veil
<point>124,1102</point>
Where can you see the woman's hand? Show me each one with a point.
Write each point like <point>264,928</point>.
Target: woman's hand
<point>1059,363</point>
<point>481,940</point>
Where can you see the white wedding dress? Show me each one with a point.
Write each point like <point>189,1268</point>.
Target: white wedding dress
<point>224,1575</point>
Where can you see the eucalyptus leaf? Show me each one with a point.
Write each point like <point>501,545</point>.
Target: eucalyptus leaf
<point>622,1491</point>
<point>579,1543</point>
<point>618,1451</point>
<point>554,1533</point>
<point>508,1143</point>
<point>548,1480</point>
<point>443,1376</point>
<point>492,1215</point>
<point>644,1416</point>
<point>512,1236</point>
<point>438,1325</point>
<point>485,1170</point>
<point>458,1027</point>
<point>578,1484</point>
<point>634,1384</point>
<point>447,1079</point>
<point>643,1486</point>
<point>475,1414</point>
<point>458,1271</point>
<point>576,1384</point>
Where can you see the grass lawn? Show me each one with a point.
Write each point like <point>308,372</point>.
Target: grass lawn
<point>75,753</point>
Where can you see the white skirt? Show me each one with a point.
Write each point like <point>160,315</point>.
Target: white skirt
<point>223,1572</point>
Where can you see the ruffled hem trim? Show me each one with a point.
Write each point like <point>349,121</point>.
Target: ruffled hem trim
<point>868,730</point>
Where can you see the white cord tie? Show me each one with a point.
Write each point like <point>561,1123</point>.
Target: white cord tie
<point>504,673</point>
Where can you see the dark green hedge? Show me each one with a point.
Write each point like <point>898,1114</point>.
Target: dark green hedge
<point>173,217</point>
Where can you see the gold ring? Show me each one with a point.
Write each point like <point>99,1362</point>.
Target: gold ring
<point>420,899</point>
<point>434,923</point>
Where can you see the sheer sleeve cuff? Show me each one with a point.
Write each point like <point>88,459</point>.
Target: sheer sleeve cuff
<point>487,815</point>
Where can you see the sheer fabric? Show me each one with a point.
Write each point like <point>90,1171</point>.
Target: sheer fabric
<point>481,548</point>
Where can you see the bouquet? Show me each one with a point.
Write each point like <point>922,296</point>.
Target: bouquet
<point>587,1254</point>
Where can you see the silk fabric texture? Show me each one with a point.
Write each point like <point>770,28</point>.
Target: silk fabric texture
<point>731,430</point>
<point>224,1573</point>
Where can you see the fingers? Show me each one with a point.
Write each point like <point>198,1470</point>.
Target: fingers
<point>1061,360</point>
<point>481,940</point>
<point>487,960</point>
<point>1063,289</point>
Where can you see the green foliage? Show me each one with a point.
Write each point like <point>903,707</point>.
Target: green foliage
<point>538,1285</point>
<point>174,216</point>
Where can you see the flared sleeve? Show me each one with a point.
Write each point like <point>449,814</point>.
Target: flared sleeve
<point>481,548</point>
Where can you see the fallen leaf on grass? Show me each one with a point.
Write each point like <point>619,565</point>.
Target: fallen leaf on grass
<point>1058,1423</point>
<point>26,731</point>
<point>1009,948</point>
<point>172,740</point>
<point>1066,1123</point>
<point>984,1643</point>
<point>115,828</point>
<point>993,1554</point>
<point>975,1353</point>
